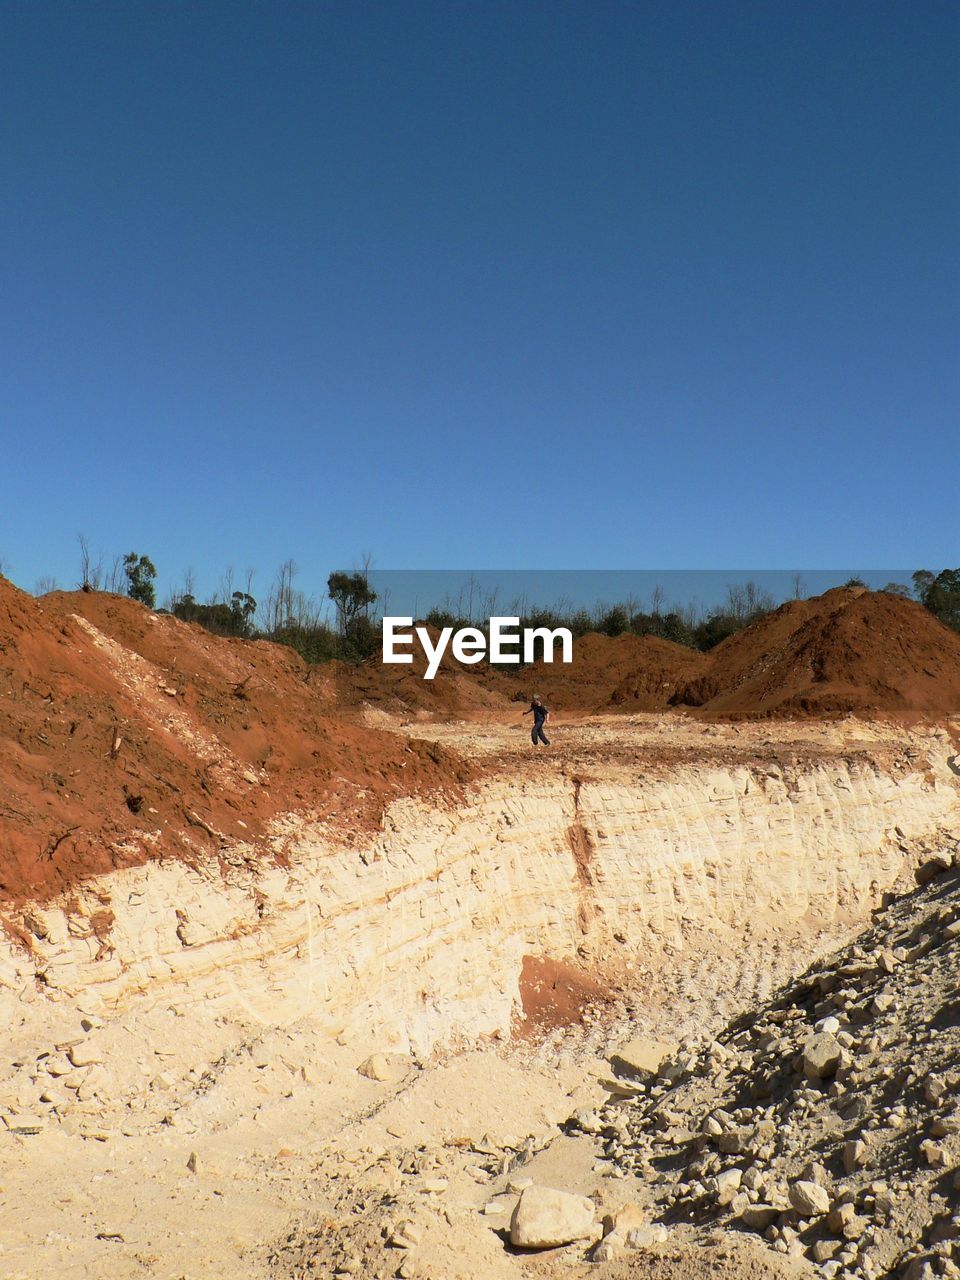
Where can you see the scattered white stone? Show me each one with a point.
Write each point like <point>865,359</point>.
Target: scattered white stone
<point>384,1069</point>
<point>499,1204</point>
<point>728,1184</point>
<point>856,1154</point>
<point>643,1237</point>
<point>821,1056</point>
<point>407,1234</point>
<point>544,1218</point>
<point>85,1054</point>
<point>25,1124</point>
<point>643,1056</point>
<point>943,1126</point>
<point>809,1199</point>
<point>516,1185</point>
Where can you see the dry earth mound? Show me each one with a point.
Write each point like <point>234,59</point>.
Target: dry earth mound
<point>625,673</point>
<point>848,651</point>
<point>456,692</point>
<point>128,735</point>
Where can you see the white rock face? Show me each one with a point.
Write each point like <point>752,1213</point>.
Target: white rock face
<point>417,938</point>
<point>544,1218</point>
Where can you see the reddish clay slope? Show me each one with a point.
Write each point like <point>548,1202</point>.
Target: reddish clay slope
<point>850,650</point>
<point>457,691</point>
<point>622,674</point>
<point>126,735</point>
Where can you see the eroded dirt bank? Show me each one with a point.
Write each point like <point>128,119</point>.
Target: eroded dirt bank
<point>624,847</point>
<point>221,1010</point>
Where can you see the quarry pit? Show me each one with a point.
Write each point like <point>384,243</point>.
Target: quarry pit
<point>650,875</point>
<point>311,971</point>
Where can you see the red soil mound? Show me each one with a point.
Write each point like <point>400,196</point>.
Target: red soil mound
<point>126,735</point>
<point>623,674</point>
<point>456,692</point>
<point>850,650</point>
<point>626,673</point>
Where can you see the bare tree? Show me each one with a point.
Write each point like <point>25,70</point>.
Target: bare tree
<point>226,589</point>
<point>115,580</point>
<point>656,600</point>
<point>799,586</point>
<point>178,594</point>
<point>45,584</point>
<point>747,600</point>
<point>736,600</point>
<point>759,599</point>
<point>690,614</point>
<point>280,605</point>
<point>91,573</point>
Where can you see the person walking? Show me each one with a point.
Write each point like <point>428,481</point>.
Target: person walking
<point>540,716</point>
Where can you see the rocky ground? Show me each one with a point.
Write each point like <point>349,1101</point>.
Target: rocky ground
<point>819,1132</point>
<point>170,1143</point>
<point>826,1122</point>
<point>204,1150</point>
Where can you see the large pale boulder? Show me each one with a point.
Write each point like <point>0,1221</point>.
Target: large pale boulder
<point>385,1068</point>
<point>821,1056</point>
<point>544,1218</point>
<point>642,1057</point>
<point>809,1199</point>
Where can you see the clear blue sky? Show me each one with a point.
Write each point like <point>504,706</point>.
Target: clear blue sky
<point>586,285</point>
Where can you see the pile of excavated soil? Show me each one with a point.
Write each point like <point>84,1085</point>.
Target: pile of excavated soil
<point>456,692</point>
<point>626,673</point>
<point>128,735</point>
<point>868,653</point>
<point>622,674</point>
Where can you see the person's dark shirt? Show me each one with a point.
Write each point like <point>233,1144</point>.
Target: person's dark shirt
<point>539,712</point>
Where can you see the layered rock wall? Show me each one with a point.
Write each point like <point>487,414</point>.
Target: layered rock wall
<point>417,935</point>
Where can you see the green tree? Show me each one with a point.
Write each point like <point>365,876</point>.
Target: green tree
<point>923,580</point>
<point>233,619</point>
<point>353,596</point>
<point>140,573</point>
<point>614,621</point>
<point>940,594</point>
<point>242,608</point>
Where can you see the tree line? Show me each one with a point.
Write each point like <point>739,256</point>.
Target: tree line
<point>290,617</point>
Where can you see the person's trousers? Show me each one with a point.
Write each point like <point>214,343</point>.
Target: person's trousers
<point>537,735</point>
